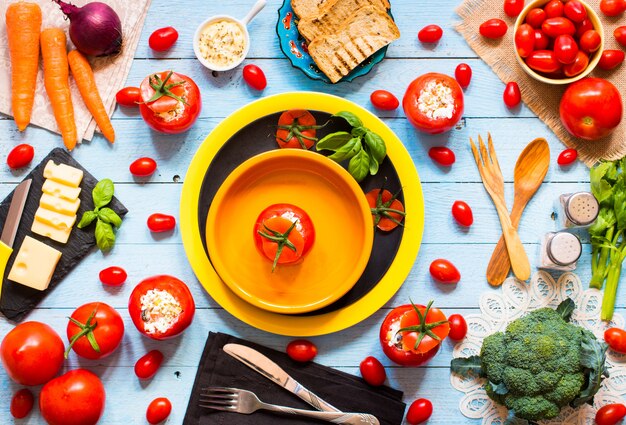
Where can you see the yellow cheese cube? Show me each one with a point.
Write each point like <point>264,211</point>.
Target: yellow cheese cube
<point>62,191</point>
<point>34,264</point>
<point>54,219</point>
<point>59,205</point>
<point>44,229</point>
<point>63,173</point>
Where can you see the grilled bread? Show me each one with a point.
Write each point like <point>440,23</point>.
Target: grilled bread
<point>307,8</point>
<point>365,32</point>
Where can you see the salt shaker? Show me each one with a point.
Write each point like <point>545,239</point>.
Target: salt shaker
<point>560,251</point>
<point>578,209</point>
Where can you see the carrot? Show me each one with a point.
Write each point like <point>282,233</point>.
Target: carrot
<point>83,75</point>
<point>23,26</point>
<point>55,76</point>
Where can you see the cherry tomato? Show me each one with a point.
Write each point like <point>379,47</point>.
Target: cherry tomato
<point>565,49</point>
<point>541,40</point>
<point>419,411</point>
<point>583,27</point>
<point>143,167</point>
<point>610,414</point>
<point>95,330</point>
<point>296,129</point>
<point>373,371</point>
<point>611,7</point>
<point>444,271</point>
<point>254,77</point>
<point>575,11</point>
<point>462,213</point>
<point>616,338</point>
<point>158,410</point>
<point>158,222</point>
<point>129,97</point>
<point>525,40</point>
<point>442,155</point>
<point>535,17</point>
<point>163,38</point>
<point>113,276</point>
<point>553,27</point>
<point>20,156</point>
<point>458,327</point>
<point>579,65</point>
<point>567,157</point>
<point>301,350</point>
<point>22,403</point>
<point>590,41</point>
<point>382,204</point>
<point>512,8</point>
<point>512,95</point>
<point>493,28</point>
<point>463,74</point>
<point>554,8</point>
<point>148,365</point>
<point>620,35</point>
<point>430,34</point>
<point>382,99</point>
<point>543,61</point>
<point>611,59</point>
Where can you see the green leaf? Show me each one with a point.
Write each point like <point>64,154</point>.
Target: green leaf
<point>373,166</point>
<point>619,202</point>
<point>359,165</point>
<point>352,119</point>
<point>103,193</point>
<point>109,216</point>
<point>592,358</point>
<point>499,389</point>
<point>376,146</point>
<point>359,131</point>
<point>87,218</point>
<point>333,141</point>
<point>600,186</point>
<point>566,308</point>
<point>105,238</point>
<point>606,219</point>
<point>467,366</point>
<point>347,151</point>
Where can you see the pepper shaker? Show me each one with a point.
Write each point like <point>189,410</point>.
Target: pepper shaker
<point>560,251</point>
<point>578,209</point>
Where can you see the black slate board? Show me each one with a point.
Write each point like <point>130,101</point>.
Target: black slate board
<point>18,300</point>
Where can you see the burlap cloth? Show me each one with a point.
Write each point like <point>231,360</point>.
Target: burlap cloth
<point>543,99</point>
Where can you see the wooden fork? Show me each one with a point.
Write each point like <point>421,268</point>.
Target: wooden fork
<point>491,176</point>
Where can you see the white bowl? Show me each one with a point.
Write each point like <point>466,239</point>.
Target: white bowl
<point>200,30</point>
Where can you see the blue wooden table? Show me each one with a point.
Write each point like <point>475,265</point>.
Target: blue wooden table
<point>143,254</point>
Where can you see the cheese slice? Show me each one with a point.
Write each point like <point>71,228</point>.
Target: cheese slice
<point>44,229</point>
<point>34,264</point>
<point>59,205</point>
<point>63,173</point>
<point>54,219</point>
<point>52,187</point>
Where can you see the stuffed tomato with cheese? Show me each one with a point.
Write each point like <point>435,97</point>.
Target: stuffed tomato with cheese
<point>433,103</point>
<point>161,307</point>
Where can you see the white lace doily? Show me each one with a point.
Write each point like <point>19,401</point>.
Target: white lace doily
<point>515,299</point>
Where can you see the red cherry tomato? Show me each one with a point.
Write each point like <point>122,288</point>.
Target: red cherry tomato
<point>620,35</point>
<point>301,350</point>
<point>579,65</point>
<point>148,365</point>
<point>612,7</point>
<point>442,155</point>
<point>493,28</point>
<point>462,213</point>
<point>590,41</point>
<point>541,40</point>
<point>567,157</point>
<point>512,95</point>
<point>163,38</point>
<point>382,99</point>
<point>583,27</point>
<point>616,338</point>
<point>512,8</point>
<point>158,410</point>
<point>113,276</point>
<point>373,371</point>
<point>430,34</point>
<point>444,271</point>
<point>575,11</point>
<point>129,97</point>
<point>463,74</point>
<point>458,327</point>
<point>525,40</point>
<point>611,59</point>
<point>20,156</point>
<point>554,8</point>
<point>535,17</point>
<point>22,403</point>
<point>254,76</point>
<point>419,411</point>
<point>543,61</point>
<point>161,222</point>
<point>610,414</point>
<point>565,49</point>
<point>553,27</point>
<point>143,167</point>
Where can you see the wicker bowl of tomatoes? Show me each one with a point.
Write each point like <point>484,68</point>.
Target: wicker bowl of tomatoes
<point>558,42</point>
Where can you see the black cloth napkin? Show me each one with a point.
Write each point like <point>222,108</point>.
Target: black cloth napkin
<point>344,391</point>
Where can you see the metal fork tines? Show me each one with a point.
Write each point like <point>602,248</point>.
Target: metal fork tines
<point>491,175</point>
<point>246,402</point>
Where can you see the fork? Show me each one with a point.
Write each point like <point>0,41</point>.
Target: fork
<point>246,402</point>
<point>491,176</point>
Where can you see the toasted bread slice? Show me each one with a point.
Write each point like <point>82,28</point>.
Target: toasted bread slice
<point>307,8</point>
<point>334,15</point>
<point>367,31</point>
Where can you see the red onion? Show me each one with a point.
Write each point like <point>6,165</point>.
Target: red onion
<point>95,28</point>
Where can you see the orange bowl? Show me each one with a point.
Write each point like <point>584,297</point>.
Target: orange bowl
<point>343,231</point>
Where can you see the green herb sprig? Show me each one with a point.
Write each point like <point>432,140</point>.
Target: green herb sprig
<point>106,219</point>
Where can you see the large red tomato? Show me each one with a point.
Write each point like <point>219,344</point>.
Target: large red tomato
<point>32,353</point>
<point>95,330</point>
<point>433,103</point>
<point>591,108</point>
<point>170,102</point>
<point>75,398</point>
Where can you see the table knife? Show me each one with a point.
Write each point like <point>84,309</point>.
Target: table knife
<point>12,222</point>
<point>266,367</point>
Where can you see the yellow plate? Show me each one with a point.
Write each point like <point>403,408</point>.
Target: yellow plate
<point>309,325</point>
<point>340,215</point>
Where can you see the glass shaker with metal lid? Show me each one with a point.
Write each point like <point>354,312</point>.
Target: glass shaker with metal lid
<point>578,209</point>
<point>560,251</point>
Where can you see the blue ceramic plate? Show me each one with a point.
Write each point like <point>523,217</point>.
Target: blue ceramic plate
<point>294,46</point>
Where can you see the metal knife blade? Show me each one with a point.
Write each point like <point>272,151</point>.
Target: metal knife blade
<point>20,195</point>
<point>266,367</point>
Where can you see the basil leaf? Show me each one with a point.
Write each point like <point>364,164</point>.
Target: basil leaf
<point>103,193</point>
<point>105,238</point>
<point>87,218</point>
<point>347,151</point>
<point>333,141</point>
<point>109,216</point>
<point>359,165</point>
<point>359,131</point>
<point>376,146</point>
<point>373,166</point>
<point>352,119</point>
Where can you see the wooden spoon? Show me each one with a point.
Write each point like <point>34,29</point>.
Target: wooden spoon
<point>530,169</point>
